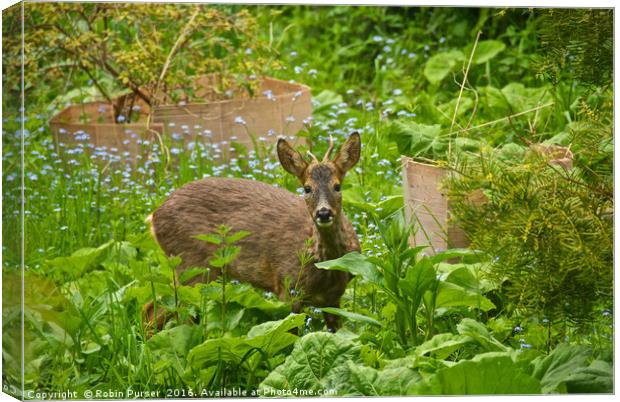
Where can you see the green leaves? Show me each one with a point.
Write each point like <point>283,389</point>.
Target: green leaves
<point>488,375</point>
<point>567,369</point>
<point>355,264</point>
<point>367,381</point>
<point>440,65</point>
<point>319,361</point>
<point>418,279</point>
<point>80,260</point>
<point>452,295</point>
<point>226,252</point>
<point>442,345</point>
<point>428,141</point>
<point>171,347</point>
<point>351,316</point>
<point>267,339</point>
<point>598,377</point>
<point>382,209</point>
<point>479,333</point>
<point>486,50</point>
<point>416,139</point>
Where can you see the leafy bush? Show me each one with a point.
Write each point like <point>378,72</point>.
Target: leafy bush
<point>151,50</point>
<point>550,230</point>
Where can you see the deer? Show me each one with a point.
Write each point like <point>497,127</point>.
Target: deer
<point>279,222</point>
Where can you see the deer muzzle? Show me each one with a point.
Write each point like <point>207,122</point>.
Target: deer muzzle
<point>324,217</point>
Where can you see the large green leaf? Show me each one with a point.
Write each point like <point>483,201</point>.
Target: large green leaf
<point>494,99</point>
<point>415,139</point>
<point>522,98</point>
<point>318,361</point>
<point>553,370</point>
<point>418,279</point>
<point>381,209</point>
<point>268,338</point>
<point>451,295</point>
<point>486,50</point>
<point>249,297</point>
<point>81,260</point>
<point>598,377</point>
<point>452,253</point>
<point>488,375</point>
<point>478,332</point>
<point>440,65</point>
<point>351,316</point>
<point>170,347</point>
<point>367,381</point>
<point>443,345</point>
<point>355,264</point>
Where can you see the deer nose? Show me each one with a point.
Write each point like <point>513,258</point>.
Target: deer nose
<point>324,215</point>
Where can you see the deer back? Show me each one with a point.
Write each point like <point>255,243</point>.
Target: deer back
<point>277,220</point>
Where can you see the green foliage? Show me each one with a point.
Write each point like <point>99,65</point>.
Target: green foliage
<point>548,229</point>
<point>318,362</point>
<point>484,375</point>
<point>412,324</point>
<point>152,51</point>
<point>576,42</point>
<point>410,281</point>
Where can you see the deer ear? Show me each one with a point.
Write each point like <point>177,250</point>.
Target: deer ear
<point>349,153</point>
<point>291,160</point>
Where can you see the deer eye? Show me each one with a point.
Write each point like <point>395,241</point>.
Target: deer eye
<point>337,187</point>
<point>307,189</point>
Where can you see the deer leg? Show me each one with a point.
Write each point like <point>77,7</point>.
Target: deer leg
<point>331,320</point>
<point>152,322</point>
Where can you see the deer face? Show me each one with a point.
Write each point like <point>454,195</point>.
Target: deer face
<point>321,180</point>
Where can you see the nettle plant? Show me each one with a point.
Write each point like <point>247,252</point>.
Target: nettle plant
<point>148,50</point>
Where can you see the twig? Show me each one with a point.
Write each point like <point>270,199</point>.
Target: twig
<point>502,119</point>
<point>181,39</point>
<point>471,58</point>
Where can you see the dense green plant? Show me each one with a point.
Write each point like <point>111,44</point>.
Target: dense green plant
<point>91,265</point>
<point>576,43</point>
<point>151,50</point>
<point>412,281</point>
<point>550,230</point>
<point>333,365</point>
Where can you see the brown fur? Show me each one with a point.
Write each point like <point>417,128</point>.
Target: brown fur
<point>279,221</point>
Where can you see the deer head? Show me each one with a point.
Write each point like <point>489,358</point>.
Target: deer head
<point>322,179</point>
